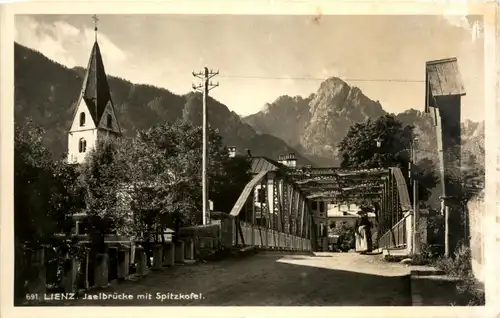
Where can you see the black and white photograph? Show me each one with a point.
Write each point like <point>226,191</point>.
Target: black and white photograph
<point>312,159</point>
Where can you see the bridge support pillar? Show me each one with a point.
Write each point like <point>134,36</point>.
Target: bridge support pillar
<point>409,232</point>
<point>421,231</point>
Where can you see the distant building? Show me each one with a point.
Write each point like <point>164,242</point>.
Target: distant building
<point>289,160</point>
<point>232,151</point>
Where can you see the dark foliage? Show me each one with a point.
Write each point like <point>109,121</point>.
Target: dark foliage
<point>359,149</point>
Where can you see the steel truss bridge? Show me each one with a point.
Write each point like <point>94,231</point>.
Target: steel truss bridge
<point>274,209</point>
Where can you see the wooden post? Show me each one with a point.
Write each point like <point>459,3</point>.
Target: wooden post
<point>123,263</point>
<point>169,254</point>
<point>87,259</point>
<point>140,258</point>
<point>101,270</point>
<point>70,274</point>
<point>179,252</point>
<point>189,249</point>
<point>157,257</point>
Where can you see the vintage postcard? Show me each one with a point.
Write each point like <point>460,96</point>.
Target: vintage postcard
<point>249,158</point>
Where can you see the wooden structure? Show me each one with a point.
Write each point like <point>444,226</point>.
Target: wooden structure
<point>444,89</point>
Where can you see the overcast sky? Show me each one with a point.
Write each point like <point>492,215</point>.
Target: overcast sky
<point>263,57</point>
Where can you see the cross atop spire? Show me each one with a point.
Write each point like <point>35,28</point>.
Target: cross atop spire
<point>96,19</point>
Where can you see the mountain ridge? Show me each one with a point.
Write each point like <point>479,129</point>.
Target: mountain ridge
<point>47,92</point>
<point>326,115</point>
<point>310,126</point>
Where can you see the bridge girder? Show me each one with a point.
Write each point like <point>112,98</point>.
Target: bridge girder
<point>339,184</point>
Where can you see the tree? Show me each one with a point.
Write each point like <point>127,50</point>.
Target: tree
<point>67,199</point>
<point>359,149</point>
<point>46,194</point>
<point>32,183</point>
<point>165,175</point>
<point>102,177</point>
<point>45,198</point>
<point>472,177</point>
<point>346,240</point>
<point>227,186</point>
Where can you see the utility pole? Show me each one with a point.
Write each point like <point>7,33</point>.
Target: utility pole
<point>205,87</point>
<point>414,181</point>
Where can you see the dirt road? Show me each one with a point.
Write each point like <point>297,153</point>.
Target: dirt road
<point>267,279</point>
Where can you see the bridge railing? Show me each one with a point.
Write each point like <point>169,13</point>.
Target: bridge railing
<point>262,237</point>
<point>400,235</point>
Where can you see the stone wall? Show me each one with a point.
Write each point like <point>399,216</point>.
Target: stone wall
<point>477,229</point>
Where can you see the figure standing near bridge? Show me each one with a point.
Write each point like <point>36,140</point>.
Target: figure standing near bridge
<point>363,233</point>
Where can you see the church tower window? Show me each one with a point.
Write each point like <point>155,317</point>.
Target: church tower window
<point>109,121</point>
<point>82,145</point>
<point>82,119</point>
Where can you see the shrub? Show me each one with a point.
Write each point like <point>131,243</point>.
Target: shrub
<point>426,257</point>
<point>469,286</point>
<point>460,266</point>
<point>457,266</point>
<point>346,240</point>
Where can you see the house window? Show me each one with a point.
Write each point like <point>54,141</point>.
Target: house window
<point>82,119</point>
<point>82,145</point>
<point>322,206</point>
<point>83,228</point>
<point>109,121</point>
<point>314,205</point>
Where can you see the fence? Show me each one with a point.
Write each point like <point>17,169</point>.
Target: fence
<point>47,269</point>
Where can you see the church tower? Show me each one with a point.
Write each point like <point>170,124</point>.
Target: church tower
<point>94,117</point>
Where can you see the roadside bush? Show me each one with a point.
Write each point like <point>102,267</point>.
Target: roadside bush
<point>457,266</point>
<point>346,240</point>
<point>460,266</point>
<point>427,256</point>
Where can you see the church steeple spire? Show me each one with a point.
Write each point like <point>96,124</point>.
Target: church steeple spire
<point>96,19</point>
<point>95,88</point>
<point>94,116</point>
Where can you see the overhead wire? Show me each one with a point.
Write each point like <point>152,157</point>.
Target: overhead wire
<point>322,78</point>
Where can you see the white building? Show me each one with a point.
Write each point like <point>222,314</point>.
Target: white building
<point>94,117</point>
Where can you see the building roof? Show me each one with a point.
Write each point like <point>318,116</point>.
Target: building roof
<point>260,164</point>
<point>443,79</point>
<point>95,89</point>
